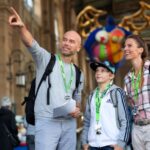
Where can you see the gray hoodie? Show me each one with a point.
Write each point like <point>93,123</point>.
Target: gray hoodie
<point>121,119</point>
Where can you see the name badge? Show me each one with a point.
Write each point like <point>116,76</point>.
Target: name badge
<point>98,129</point>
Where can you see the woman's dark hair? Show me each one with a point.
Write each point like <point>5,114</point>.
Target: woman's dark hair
<point>141,44</point>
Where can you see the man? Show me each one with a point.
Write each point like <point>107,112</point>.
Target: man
<point>51,133</point>
<point>7,122</point>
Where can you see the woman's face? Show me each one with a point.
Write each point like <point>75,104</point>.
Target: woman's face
<point>132,50</point>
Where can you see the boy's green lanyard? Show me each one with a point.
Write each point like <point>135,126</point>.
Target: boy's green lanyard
<point>98,99</point>
<point>136,84</point>
<point>67,86</point>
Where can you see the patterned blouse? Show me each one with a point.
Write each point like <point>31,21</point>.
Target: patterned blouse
<point>142,103</point>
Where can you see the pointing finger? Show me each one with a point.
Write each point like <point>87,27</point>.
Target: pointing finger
<point>10,19</point>
<point>14,12</point>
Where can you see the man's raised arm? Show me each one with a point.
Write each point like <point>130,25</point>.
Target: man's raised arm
<point>16,22</point>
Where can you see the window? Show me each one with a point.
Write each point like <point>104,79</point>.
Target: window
<point>29,4</point>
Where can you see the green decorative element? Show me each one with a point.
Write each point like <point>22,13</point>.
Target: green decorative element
<point>102,49</point>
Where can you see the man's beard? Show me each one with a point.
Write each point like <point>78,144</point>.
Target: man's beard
<point>69,54</point>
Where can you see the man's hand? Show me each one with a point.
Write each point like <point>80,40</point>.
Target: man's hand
<point>14,19</point>
<point>75,113</point>
<point>85,147</point>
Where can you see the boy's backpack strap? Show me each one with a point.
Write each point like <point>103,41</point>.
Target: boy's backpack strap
<point>115,94</point>
<point>48,70</point>
<point>78,74</point>
<point>90,98</point>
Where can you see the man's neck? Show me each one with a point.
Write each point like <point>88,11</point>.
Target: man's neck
<point>66,59</point>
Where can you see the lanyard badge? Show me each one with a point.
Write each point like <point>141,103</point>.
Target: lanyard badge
<point>98,99</point>
<point>136,84</point>
<point>66,85</point>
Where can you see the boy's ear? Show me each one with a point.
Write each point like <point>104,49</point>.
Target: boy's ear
<point>112,76</point>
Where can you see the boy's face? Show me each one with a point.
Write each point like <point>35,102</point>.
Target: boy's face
<point>102,75</point>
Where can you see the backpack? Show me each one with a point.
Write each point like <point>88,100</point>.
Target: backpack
<point>30,99</point>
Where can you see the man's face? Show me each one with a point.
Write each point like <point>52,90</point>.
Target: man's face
<point>70,44</point>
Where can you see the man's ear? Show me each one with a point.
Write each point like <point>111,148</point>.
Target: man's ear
<point>79,48</point>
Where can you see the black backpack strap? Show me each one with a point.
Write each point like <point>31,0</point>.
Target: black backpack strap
<point>49,67</point>
<point>48,70</point>
<point>49,86</point>
<point>31,92</point>
<point>78,74</point>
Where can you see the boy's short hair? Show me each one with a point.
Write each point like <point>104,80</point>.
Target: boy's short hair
<point>106,64</point>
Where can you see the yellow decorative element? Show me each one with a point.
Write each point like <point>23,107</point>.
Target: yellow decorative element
<point>87,20</point>
<point>138,21</point>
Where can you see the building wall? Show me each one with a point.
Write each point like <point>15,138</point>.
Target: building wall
<point>47,26</point>
<point>14,58</point>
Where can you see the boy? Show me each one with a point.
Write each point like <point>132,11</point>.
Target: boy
<point>106,127</point>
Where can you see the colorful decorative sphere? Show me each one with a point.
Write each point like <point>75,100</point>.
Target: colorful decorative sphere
<point>106,43</point>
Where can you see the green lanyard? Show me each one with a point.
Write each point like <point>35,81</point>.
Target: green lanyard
<point>136,84</point>
<point>67,86</point>
<point>98,99</point>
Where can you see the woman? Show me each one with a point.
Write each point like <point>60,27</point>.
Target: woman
<point>137,85</point>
